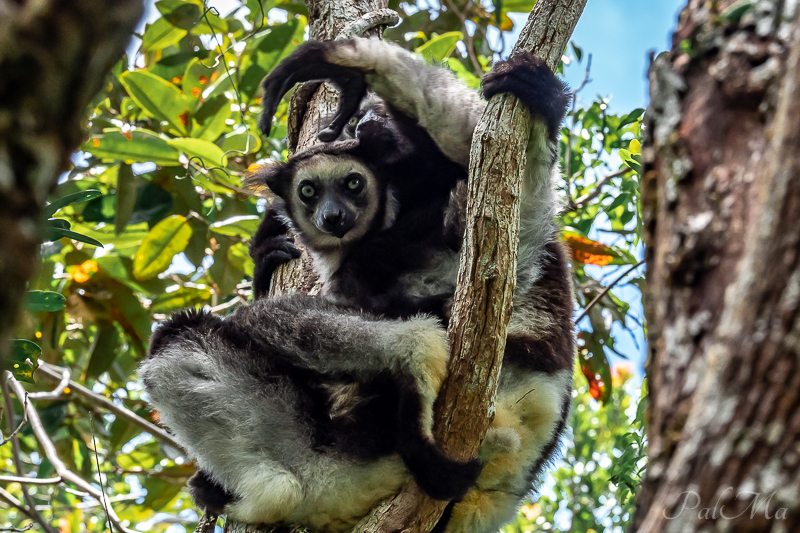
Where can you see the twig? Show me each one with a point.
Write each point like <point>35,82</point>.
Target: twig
<point>605,291</point>
<point>207,523</point>
<point>11,418</point>
<point>581,202</point>
<point>12,501</point>
<point>104,501</point>
<point>31,480</point>
<point>470,45</point>
<point>360,26</point>
<point>53,372</point>
<point>50,452</point>
<point>6,379</point>
<point>11,528</point>
<point>56,393</point>
<point>568,154</point>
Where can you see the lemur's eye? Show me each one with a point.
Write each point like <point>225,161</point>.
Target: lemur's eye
<point>354,183</point>
<point>307,191</point>
<point>353,121</point>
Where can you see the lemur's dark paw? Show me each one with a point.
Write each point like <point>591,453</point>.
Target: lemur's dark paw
<point>534,84</point>
<point>208,494</point>
<point>268,255</point>
<point>447,479</point>
<point>309,63</point>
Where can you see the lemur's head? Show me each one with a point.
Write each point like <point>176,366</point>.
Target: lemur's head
<point>333,194</point>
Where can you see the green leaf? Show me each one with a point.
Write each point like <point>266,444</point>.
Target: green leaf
<point>180,13</point>
<point>224,272</point>
<point>183,297</point>
<point>440,47</point>
<point>243,226</point>
<point>121,269</point>
<point>104,349</point>
<point>44,301</point>
<point>53,234</point>
<point>241,143</point>
<point>161,34</point>
<point>239,256</point>
<point>266,52</point>
<point>631,117</point>
<point>76,197</point>
<point>125,197</point>
<point>197,78</point>
<point>136,146</point>
<point>205,153</point>
<point>168,238</point>
<point>208,122</point>
<point>157,97</point>
<point>24,359</point>
<point>463,74</point>
<point>518,6</point>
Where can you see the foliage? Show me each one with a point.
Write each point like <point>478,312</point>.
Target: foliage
<point>593,488</point>
<point>152,219</point>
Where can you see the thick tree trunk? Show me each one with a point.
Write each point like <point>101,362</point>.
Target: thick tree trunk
<point>721,199</point>
<point>54,57</point>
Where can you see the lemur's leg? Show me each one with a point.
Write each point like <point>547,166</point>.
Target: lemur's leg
<point>443,105</point>
<point>316,335</point>
<point>270,247</point>
<point>208,494</point>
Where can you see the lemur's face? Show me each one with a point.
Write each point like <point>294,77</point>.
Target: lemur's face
<point>333,200</point>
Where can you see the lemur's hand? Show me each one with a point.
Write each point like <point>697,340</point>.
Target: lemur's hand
<point>270,247</point>
<point>309,63</point>
<point>534,84</point>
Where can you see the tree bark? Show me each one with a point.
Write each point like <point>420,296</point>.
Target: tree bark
<point>721,201</point>
<point>54,57</point>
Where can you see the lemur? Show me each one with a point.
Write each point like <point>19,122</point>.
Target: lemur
<point>382,218</point>
<point>320,391</point>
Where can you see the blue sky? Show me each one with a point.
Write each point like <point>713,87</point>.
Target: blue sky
<point>619,34</point>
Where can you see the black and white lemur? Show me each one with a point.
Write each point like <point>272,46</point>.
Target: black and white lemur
<point>290,395</point>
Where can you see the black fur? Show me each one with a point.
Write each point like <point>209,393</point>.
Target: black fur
<point>386,418</point>
<point>307,63</point>
<point>208,494</point>
<point>270,247</point>
<point>535,86</point>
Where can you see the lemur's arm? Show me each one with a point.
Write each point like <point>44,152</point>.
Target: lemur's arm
<point>444,106</point>
<point>270,247</point>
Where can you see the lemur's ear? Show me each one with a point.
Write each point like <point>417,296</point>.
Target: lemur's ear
<point>378,138</point>
<point>276,176</point>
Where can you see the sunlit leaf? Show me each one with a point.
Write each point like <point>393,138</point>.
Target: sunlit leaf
<point>157,97</point>
<point>182,298</point>
<point>24,359</point>
<point>125,197</point>
<point>237,144</point>
<point>168,238</point>
<point>440,47</point>
<point>588,251</point>
<point>180,13</point>
<point>242,226</point>
<point>161,34</point>
<point>266,51</point>
<point>204,153</point>
<point>138,146</point>
<point>58,233</point>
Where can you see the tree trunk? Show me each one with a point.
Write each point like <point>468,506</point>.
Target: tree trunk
<point>721,201</point>
<point>54,57</point>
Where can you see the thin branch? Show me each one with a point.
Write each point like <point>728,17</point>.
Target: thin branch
<point>11,528</point>
<point>581,202</point>
<point>6,378</point>
<point>31,480</point>
<point>470,45</point>
<point>568,154</point>
<point>104,501</point>
<point>13,502</point>
<point>11,418</point>
<point>605,291</point>
<point>50,452</point>
<point>53,372</point>
<point>56,393</point>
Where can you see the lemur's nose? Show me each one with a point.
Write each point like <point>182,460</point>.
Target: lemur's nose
<point>332,219</point>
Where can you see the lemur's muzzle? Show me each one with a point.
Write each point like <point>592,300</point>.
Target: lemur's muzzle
<point>334,218</point>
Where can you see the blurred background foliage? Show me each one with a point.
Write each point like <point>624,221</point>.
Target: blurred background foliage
<point>152,218</point>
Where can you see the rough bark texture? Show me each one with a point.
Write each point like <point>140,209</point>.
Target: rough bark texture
<point>721,199</point>
<point>54,57</point>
